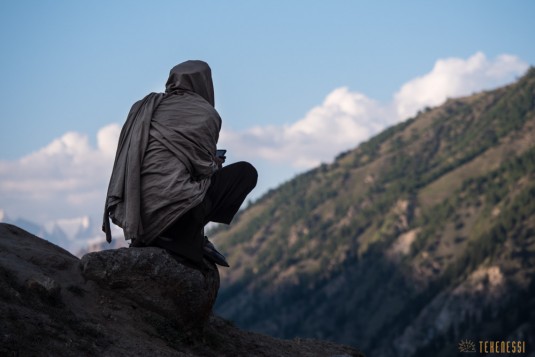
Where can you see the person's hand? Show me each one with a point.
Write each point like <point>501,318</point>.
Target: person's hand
<point>220,160</point>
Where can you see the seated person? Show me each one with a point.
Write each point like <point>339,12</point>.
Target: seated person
<point>167,181</point>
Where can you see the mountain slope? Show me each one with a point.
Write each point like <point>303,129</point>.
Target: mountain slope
<point>416,239</point>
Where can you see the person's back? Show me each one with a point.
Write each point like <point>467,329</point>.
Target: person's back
<point>178,161</point>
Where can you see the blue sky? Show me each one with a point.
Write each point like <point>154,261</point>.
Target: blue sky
<point>78,65</point>
<point>282,70</point>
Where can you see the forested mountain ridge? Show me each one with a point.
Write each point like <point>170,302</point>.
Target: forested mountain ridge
<point>416,239</point>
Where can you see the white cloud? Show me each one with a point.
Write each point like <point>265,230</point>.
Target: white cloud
<point>347,118</point>
<point>343,119</point>
<point>454,77</point>
<point>107,139</point>
<point>66,177</point>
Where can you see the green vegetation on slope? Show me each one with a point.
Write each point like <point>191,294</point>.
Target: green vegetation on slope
<point>362,251</point>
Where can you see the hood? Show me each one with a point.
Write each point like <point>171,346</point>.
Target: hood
<point>192,76</point>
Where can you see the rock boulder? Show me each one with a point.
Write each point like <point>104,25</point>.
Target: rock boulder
<point>156,281</point>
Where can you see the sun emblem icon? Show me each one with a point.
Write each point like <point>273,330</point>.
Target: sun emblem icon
<point>467,346</point>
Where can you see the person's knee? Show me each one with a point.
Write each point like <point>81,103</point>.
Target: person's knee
<point>249,172</point>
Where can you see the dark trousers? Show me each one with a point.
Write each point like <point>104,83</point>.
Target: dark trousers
<point>228,189</point>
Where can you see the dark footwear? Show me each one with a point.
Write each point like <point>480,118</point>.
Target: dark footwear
<point>212,254</point>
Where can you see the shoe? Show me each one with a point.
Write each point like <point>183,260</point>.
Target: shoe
<point>212,254</point>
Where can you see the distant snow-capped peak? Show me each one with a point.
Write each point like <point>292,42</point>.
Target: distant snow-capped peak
<point>72,227</point>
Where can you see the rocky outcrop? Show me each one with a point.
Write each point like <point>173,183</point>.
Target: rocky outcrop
<point>155,280</point>
<point>124,302</point>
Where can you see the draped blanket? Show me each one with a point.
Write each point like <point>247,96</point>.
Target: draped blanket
<point>165,155</point>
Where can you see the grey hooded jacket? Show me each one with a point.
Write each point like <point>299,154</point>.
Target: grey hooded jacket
<point>165,155</point>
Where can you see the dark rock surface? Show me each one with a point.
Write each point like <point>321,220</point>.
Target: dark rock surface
<point>125,302</point>
<point>153,279</point>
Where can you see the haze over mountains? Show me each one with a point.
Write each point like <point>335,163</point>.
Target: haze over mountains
<point>419,238</point>
<point>78,235</point>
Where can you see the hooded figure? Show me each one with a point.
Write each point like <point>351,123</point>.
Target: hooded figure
<point>165,160</point>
